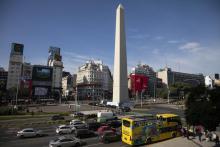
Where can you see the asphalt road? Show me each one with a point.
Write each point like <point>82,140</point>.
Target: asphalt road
<point>8,136</point>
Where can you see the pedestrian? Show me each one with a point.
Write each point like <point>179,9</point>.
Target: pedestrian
<point>187,134</point>
<point>184,132</point>
<point>200,136</point>
<point>210,136</point>
<point>214,136</point>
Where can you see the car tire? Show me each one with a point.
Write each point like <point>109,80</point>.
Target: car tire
<point>60,133</point>
<point>77,144</point>
<point>106,141</point>
<point>173,135</point>
<point>22,136</point>
<point>149,141</point>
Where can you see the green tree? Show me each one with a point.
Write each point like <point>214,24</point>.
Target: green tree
<point>203,107</point>
<point>162,92</point>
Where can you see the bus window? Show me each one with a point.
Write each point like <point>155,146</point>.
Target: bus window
<point>126,123</point>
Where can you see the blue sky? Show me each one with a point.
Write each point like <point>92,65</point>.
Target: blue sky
<point>185,35</point>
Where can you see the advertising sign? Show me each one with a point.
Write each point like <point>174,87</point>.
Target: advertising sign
<point>40,91</point>
<point>17,48</point>
<point>42,73</point>
<point>139,82</point>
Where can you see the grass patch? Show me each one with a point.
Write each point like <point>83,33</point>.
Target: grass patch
<point>11,117</point>
<point>32,115</point>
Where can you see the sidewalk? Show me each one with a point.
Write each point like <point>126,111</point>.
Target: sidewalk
<point>183,142</point>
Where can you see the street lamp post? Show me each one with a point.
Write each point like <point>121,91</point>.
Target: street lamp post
<point>76,99</point>
<point>141,99</point>
<point>16,98</point>
<point>168,97</point>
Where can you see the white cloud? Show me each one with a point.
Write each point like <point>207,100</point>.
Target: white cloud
<point>72,61</point>
<point>197,59</point>
<point>173,41</point>
<point>191,46</point>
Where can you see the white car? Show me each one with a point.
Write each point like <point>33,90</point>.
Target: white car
<point>66,142</point>
<point>75,121</point>
<point>77,124</point>
<point>64,129</point>
<point>29,132</point>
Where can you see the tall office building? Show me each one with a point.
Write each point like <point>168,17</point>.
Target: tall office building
<point>55,61</point>
<point>170,77</point>
<point>3,79</point>
<point>147,71</point>
<point>15,65</point>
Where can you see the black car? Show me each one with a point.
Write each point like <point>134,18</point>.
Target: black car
<point>125,109</point>
<point>114,123</point>
<point>77,114</point>
<point>110,136</point>
<point>93,104</point>
<point>57,117</point>
<point>84,133</point>
<point>93,126</point>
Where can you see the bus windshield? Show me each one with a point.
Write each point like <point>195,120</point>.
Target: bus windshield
<point>126,123</point>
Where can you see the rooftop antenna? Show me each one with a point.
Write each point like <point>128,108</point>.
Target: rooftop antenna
<point>166,62</point>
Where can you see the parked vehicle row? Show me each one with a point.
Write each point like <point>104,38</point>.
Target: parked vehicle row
<point>77,130</point>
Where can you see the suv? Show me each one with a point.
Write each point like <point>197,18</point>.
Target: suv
<point>93,125</point>
<point>84,133</point>
<point>114,123</point>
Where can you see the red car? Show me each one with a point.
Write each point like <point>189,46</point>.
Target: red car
<point>102,129</point>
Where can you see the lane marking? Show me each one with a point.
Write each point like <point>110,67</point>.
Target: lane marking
<point>94,144</point>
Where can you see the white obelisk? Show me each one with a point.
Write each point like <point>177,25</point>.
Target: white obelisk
<point>120,80</point>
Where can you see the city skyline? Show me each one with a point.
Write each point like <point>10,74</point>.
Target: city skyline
<point>183,35</point>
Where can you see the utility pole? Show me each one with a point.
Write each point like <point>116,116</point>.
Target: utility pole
<point>76,99</point>
<point>142,97</point>
<point>168,95</point>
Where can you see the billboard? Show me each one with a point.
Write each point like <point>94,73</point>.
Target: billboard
<point>42,73</point>
<point>17,48</point>
<point>54,54</point>
<point>139,82</point>
<point>40,91</point>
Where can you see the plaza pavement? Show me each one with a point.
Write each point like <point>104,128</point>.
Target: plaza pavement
<point>183,142</point>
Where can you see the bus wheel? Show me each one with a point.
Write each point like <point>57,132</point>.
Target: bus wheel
<point>149,141</point>
<point>173,135</point>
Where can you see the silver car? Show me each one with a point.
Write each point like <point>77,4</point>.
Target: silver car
<point>64,129</point>
<point>66,142</point>
<point>29,132</point>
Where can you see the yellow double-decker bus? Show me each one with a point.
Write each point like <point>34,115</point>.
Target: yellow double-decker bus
<point>169,119</point>
<point>137,130</point>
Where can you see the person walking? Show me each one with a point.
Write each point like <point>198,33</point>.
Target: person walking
<point>187,134</point>
<point>200,136</point>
